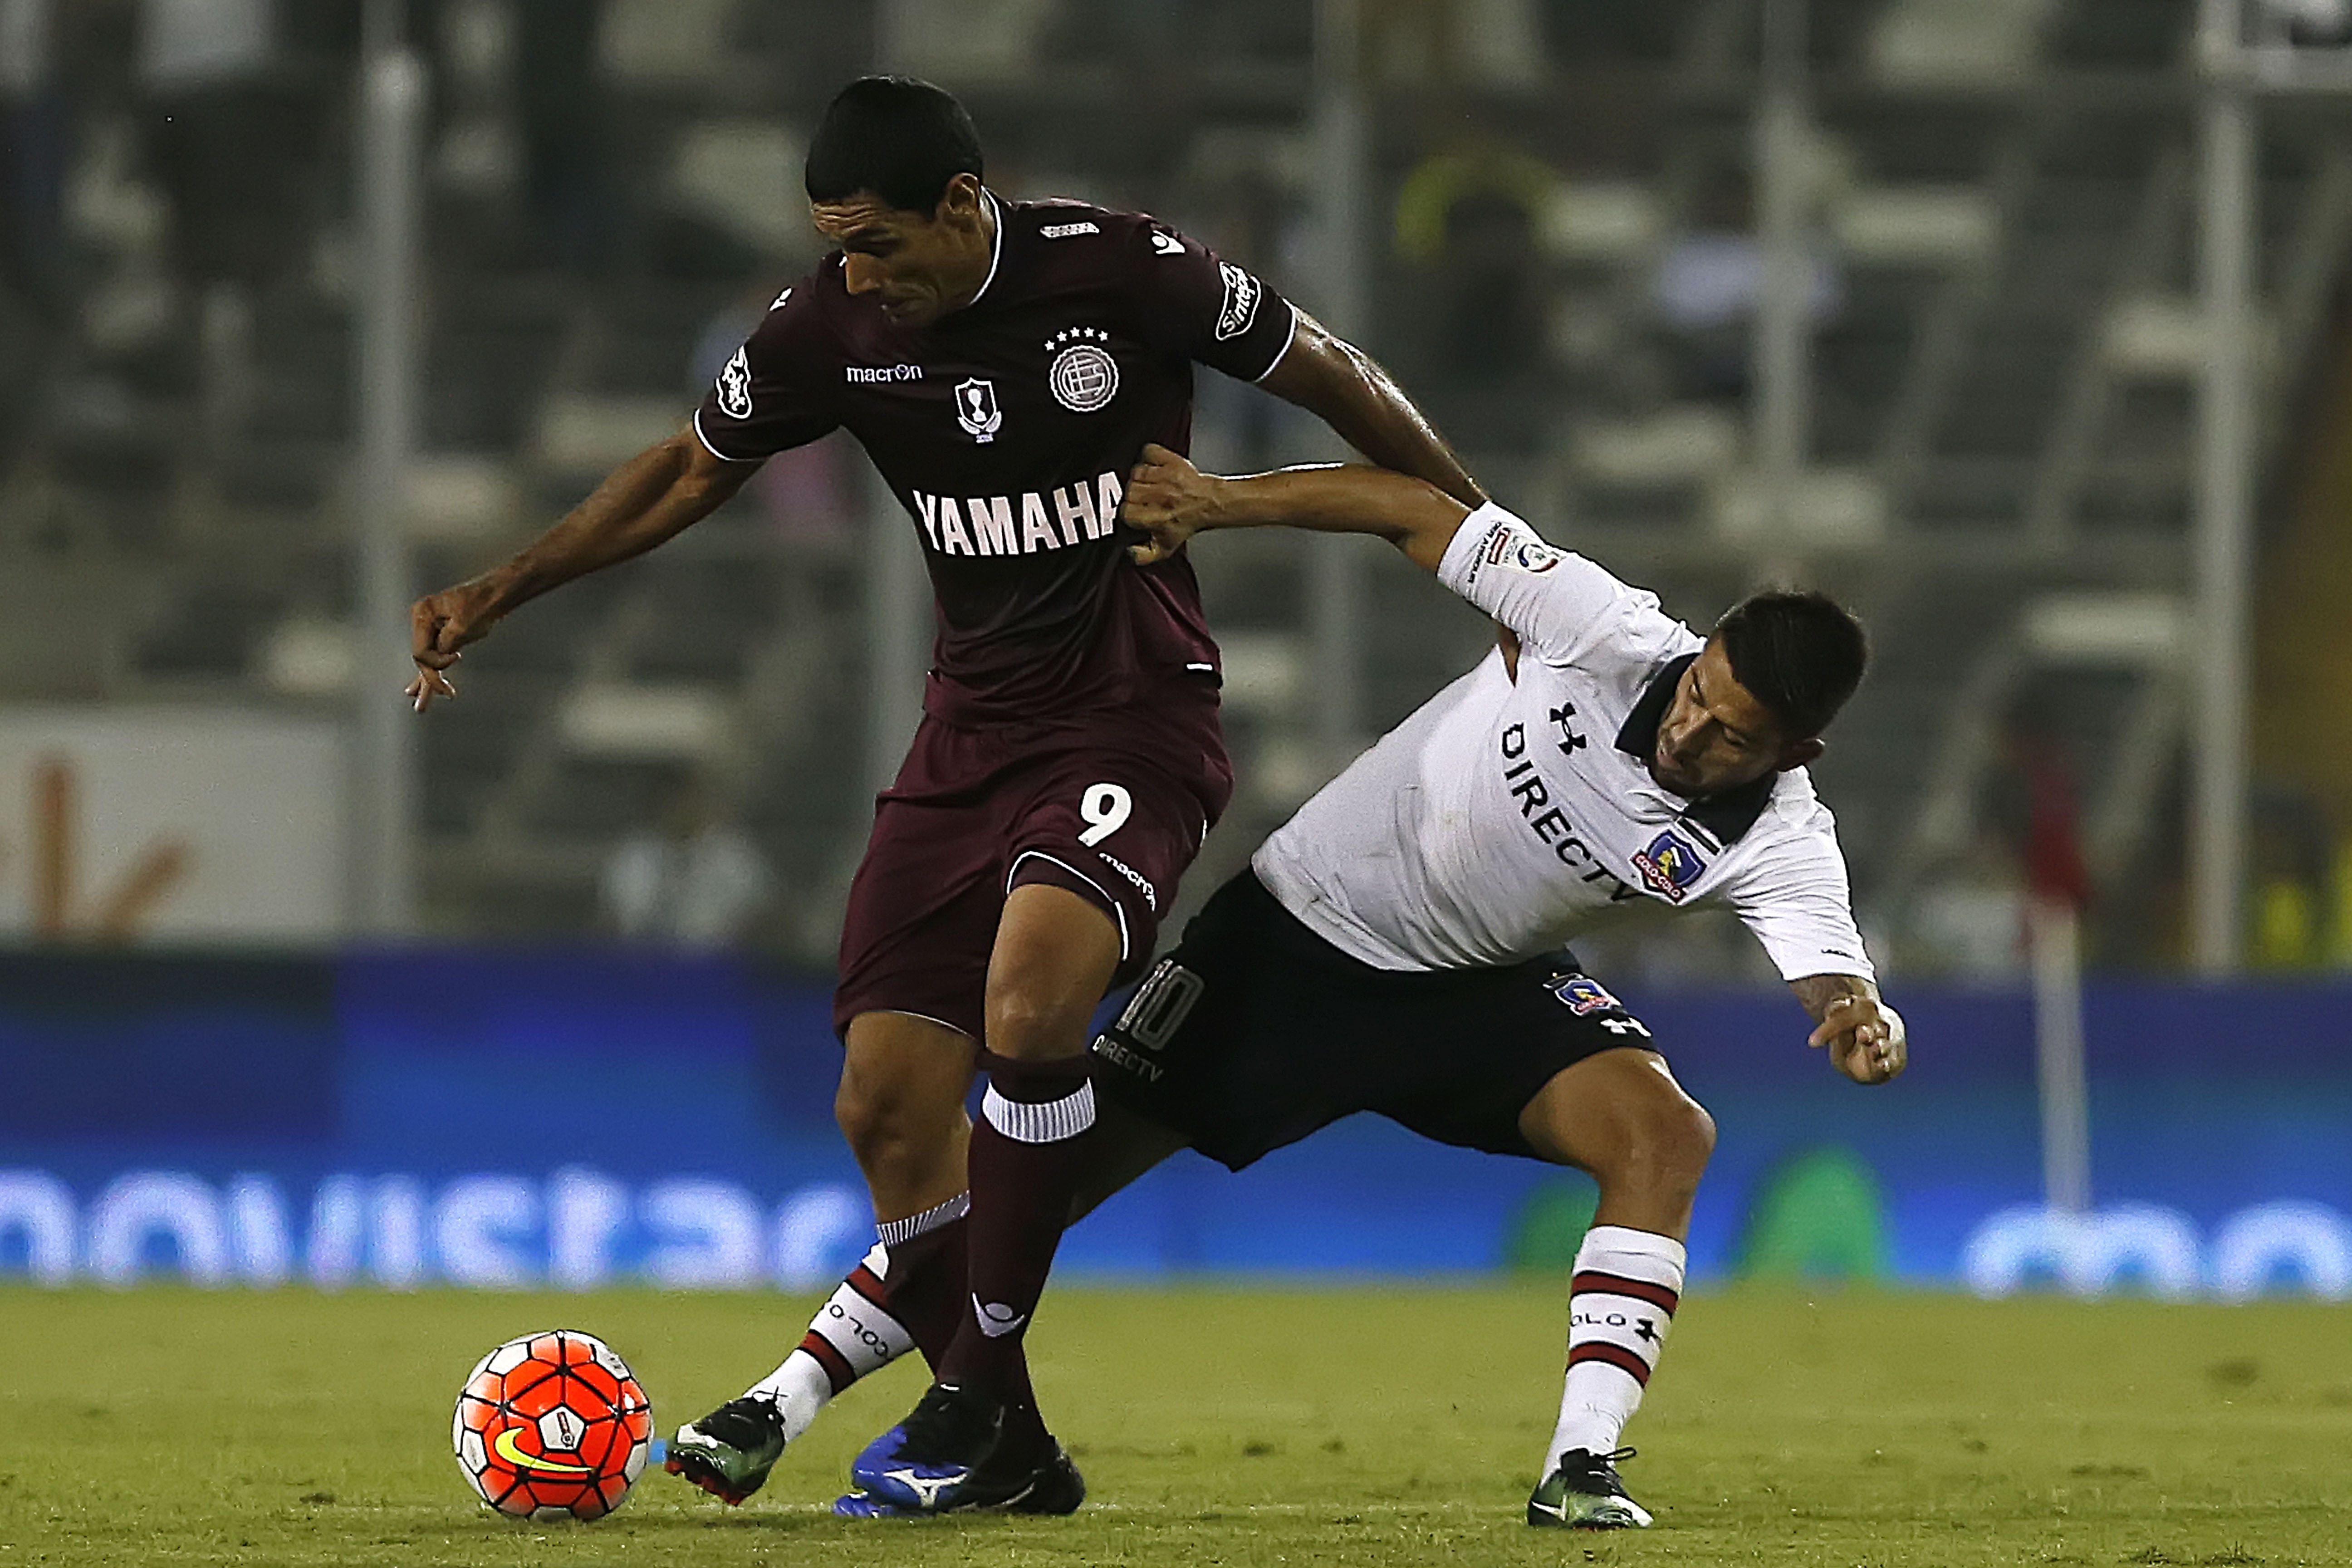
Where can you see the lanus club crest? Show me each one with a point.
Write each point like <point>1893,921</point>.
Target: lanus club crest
<point>976,409</point>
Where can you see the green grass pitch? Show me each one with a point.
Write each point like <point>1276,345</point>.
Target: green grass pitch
<point>1361,1426</point>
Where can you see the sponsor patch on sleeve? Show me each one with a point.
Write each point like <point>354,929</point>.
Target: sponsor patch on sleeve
<point>1533,557</point>
<point>1490,550</point>
<point>1514,546</point>
<point>735,386</point>
<point>1242,295</point>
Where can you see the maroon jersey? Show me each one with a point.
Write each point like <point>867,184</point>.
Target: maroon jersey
<point>1007,430</point>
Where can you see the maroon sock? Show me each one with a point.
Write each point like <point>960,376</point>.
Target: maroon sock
<point>1026,1161</point>
<point>925,1290</point>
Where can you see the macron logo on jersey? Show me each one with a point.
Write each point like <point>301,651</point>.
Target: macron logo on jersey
<point>1027,524</point>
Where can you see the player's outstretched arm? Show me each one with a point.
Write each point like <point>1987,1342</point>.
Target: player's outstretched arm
<point>1864,1036</point>
<point>1172,500</point>
<point>653,497</point>
<point>1341,385</point>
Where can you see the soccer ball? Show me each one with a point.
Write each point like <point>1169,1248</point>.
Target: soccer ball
<point>550,1425</point>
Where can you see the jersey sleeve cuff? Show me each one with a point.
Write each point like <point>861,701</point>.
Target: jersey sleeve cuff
<point>1821,965</point>
<point>1458,569</point>
<point>714,451</point>
<point>1288,337</point>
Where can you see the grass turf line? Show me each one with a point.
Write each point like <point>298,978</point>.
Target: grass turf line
<point>1375,1427</point>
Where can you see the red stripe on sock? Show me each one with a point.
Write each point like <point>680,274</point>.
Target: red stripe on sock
<point>837,1370</point>
<point>1618,1356</point>
<point>1657,1296</point>
<point>861,1280</point>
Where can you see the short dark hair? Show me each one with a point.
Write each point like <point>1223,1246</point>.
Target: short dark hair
<point>901,139</point>
<point>1799,652</point>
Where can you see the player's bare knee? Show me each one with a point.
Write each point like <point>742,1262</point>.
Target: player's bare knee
<point>1056,951</point>
<point>1655,1142</point>
<point>886,1130</point>
<point>1672,1139</point>
<point>865,1120</point>
<point>1028,1022</point>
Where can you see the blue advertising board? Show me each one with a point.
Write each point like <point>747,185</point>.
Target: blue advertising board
<point>515,1120</point>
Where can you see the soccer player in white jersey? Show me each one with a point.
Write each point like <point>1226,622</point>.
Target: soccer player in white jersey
<point>1399,945</point>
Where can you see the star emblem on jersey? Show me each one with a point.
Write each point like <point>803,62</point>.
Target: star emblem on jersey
<point>735,386</point>
<point>1083,376</point>
<point>976,409</point>
<point>1669,864</point>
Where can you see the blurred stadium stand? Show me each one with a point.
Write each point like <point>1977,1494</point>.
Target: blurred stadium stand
<point>2002,320</point>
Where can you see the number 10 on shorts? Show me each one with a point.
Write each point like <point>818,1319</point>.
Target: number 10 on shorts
<point>1106,807</point>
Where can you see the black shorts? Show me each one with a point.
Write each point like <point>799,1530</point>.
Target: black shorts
<point>1256,1032</point>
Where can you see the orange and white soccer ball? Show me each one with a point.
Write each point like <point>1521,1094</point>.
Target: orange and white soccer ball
<point>552,1424</point>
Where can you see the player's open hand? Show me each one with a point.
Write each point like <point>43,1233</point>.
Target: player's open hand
<point>1168,501</point>
<point>1866,1038</point>
<point>440,624</point>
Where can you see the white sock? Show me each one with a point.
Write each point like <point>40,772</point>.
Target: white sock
<point>852,1334</point>
<point>1620,1306</point>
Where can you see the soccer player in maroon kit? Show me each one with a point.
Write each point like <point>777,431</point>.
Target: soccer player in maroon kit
<point>1004,364</point>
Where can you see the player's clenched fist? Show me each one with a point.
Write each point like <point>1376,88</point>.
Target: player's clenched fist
<point>1866,1038</point>
<point>1169,500</point>
<point>438,626</point>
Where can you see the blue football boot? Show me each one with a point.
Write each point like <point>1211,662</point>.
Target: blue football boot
<point>1002,1485</point>
<point>924,1464</point>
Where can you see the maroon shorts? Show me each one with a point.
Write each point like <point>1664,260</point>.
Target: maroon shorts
<point>1113,807</point>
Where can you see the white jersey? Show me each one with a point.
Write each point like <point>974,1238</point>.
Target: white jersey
<point>1505,818</point>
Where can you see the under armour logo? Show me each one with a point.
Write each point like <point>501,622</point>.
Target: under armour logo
<point>1624,1026</point>
<point>1646,1330</point>
<point>996,1318</point>
<point>1568,739</point>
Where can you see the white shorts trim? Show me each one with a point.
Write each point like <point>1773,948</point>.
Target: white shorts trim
<point>911,1013</point>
